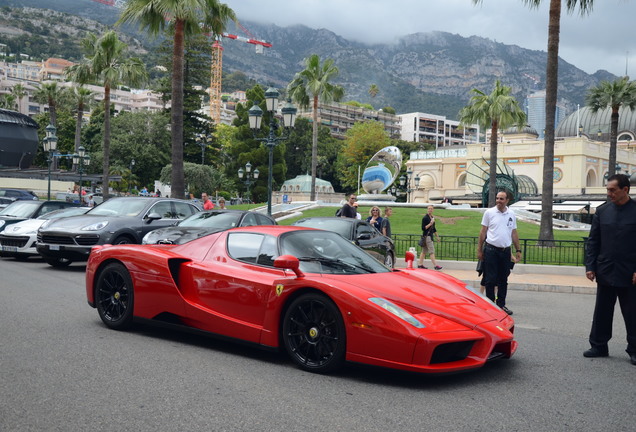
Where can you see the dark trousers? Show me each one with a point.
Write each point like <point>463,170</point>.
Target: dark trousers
<point>604,315</point>
<point>496,272</point>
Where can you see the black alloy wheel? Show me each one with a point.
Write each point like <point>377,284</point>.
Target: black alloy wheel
<point>389,261</point>
<point>314,333</point>
<point>122,240</point>
<point>114,296</point>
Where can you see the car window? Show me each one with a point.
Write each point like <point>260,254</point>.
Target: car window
<point>249,220</point>
<point>47,208</point>
<point>340,225</point>
<point>213,219</point>
<point>268,252</point>
<point>244,246</point>
<point>183,210</point>
<point>262,219</point>
<point>22,209</point>
<point>164,208</point>
<point>120,207</point>
<point>364,229</point>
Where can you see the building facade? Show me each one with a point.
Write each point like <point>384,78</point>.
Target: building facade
<point>436,130</point>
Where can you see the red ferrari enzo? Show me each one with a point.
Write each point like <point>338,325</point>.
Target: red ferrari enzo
<point>323,299</point>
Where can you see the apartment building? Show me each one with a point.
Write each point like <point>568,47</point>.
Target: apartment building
<point>437,130</point>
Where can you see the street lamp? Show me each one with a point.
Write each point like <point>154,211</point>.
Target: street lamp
<point>250,177</point>
<point>405,182</point>
<point>255,117</point>
<point>203,141</point>
<point>50,145</point>
<point>80,159</point>
<point>599,133</point>
<point>132,165</point>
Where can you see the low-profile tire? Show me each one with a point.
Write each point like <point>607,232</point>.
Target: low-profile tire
<point>58,262</point>
<point>123,240</point>
<point>114,296</point>
<point>314,334</point>
<point>389,260</point>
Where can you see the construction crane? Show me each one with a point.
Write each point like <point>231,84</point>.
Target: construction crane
<point>216,67</point>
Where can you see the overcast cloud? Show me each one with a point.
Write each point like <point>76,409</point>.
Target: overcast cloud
<point>605,39</point>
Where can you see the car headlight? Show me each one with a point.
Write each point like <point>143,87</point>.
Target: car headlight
<point>1,224</point>
<point>97,226</point>
<point>145,240</point>
<point>397,311</point>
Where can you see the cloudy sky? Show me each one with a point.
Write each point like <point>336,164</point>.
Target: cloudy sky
<point>605,39</point>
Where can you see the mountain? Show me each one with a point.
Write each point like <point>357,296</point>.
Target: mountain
<point>429,72</point>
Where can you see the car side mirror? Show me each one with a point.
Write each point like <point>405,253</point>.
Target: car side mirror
<point>364,236</point>
<point>152,217</point>
<point>289,262</point>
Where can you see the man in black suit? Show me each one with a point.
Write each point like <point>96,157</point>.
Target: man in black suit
<point>610,258</point>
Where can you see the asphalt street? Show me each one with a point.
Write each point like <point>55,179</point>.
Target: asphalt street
<point>61,369</point>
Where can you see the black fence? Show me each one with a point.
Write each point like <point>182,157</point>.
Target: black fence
<point>460,248</point>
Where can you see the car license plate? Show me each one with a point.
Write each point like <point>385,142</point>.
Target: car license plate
<point>9,249</point>
<point>54,247</point>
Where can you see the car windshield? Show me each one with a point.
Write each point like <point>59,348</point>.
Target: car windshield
<point>23,209</point>
<point>213,219</point>
<point>338,225</point>
<point>328,253</point>
<point>120,207</point>
<point>71,211</point>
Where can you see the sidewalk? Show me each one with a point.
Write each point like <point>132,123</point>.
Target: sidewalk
<point>527,277</point>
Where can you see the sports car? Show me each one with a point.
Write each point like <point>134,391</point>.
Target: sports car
<point>310,292</point>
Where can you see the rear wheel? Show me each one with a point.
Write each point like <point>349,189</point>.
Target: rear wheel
<point>58,262</point>
<point>114,296</point>
<point>122,240</point>
<point>314,333</point>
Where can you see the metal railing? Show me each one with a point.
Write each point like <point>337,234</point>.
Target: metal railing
<point>464,248</point>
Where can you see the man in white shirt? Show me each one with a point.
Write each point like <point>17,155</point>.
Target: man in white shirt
<point>498,232</point>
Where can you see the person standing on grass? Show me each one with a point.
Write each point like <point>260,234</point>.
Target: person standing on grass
<point>499,226</point>
<point>386,224</point>
<point>429,234</point>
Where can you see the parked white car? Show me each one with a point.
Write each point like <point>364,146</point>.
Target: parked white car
<point>18,240</point>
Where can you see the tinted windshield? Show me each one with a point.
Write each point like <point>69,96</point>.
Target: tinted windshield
<point>328,252</point>
<point>71,211</point>
<point>213,219</point>
<point>23,209</point>
<point>339,225</point>
<point>120,207</point>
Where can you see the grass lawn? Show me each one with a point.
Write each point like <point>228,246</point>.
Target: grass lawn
<point>448,222</point>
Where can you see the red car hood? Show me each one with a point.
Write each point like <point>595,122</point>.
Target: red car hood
<point>425,291</point>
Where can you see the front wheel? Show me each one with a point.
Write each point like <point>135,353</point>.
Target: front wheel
<point>314,333</point>
<point>389,261</point>
<point>114,296</point>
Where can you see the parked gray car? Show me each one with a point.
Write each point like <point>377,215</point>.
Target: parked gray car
<point>116,221</point>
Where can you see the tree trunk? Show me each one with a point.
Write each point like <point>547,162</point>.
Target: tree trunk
<point>314,150</point>
<point>546,234</point>
<point>611,170</point>
<point>78,129</point>
<point>106,171</point>
<point>492,182</point>
<point>177,181</point>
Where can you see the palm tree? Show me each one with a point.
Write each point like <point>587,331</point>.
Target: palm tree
<point>19,92</point>
<point>51,94</point>
<point>106,62</point>
<point>614,94</point>
<point>187,17</point>
<point>8,101</point>
<point>373,90</point>
<point>82,98</point>
<point>497,110</point>
<point>313,85</point>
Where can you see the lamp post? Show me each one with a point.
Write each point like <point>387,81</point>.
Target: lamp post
<point>80,159</point>
<point>405,182</point>
<point>250,177</point>
<point>132,165</point>
<point>50,145</point>
<point>255,118</point>
<point>203,141</point>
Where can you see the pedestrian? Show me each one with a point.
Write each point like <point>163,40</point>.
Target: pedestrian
<point>386,224</point>
<point>375,217</point>
<point>610,258</point>
<point>358,215</point>
<point>499,225</point>
<point>90,202</point>
<point>348,210</point>
<point>207,202</point>
<point>429,235</point>
<point>222,204</point>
